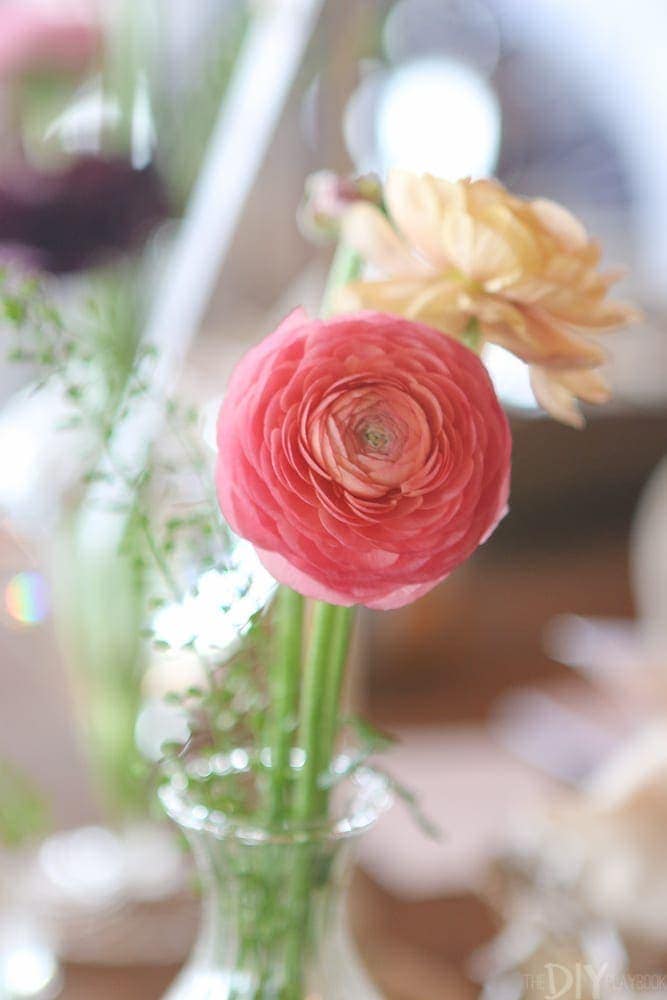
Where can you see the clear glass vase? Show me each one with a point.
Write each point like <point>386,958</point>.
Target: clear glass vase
<point>274,911</point>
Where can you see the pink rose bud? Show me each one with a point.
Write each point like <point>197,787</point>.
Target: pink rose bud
<point>366,456</point>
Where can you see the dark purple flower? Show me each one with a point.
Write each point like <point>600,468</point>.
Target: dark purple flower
<point>78,217</point>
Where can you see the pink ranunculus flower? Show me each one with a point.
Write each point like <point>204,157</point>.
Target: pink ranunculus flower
<point>365,456</point>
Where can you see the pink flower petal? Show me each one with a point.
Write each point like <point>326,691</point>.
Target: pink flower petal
<point>366,457</point>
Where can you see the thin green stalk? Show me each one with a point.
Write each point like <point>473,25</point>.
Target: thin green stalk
<point>340,642</point>
<point>307,799</point>
<point>160,561</point>
<point>472,335</point>
<point>345,267</point>
<point>308,802</point>
<point>319,712</point>
<point>285,695</point>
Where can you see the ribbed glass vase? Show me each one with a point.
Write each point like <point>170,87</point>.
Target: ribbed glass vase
<point>274,916</point>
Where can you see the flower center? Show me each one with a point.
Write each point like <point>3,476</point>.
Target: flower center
<point>373,440</point>
<point>376,436</point>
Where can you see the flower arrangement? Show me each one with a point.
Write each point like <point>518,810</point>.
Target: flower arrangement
<point>365,456</point>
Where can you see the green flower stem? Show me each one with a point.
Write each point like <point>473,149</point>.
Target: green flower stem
<point>309,804</point>
<point>345,267</point>
<point>313,692</point>
<point>330,721</point>
<point>472,335</point>
<point>321,687</point>
<point>160,561</point>
<point>285,695</point>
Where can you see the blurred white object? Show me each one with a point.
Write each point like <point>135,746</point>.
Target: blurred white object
<point>38,463</point>
<point>465,783</point>
<point>617,828</point>
<point>548,733</point>
<point>601,648</point>
<point>80,127</point>
<point>405,117</point>
<point>85,865</point>
<point>617,656</point>
<point>219,609</point>
<point>584,883</point>
<point>628,656</point>
<point>635,774</point>
<point>28,967</point>
<point>110,897</point>
<point>157,724</point>
<point>438,116</point>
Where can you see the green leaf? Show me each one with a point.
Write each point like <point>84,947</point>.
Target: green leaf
<point>171,749</point>
<point>173,698</point>
<point>96,476</point>
<point>372,740</point>
<point>53,316</point>
<point>70,423</point>
<point>17,354</point>
<point>15,309</point>
<point>23,811</point>
<point>408,797</point>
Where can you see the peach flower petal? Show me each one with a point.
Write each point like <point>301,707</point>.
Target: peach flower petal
<point>525,271</point>
<point>368,231</point>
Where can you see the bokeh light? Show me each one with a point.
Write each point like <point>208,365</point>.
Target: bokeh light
<point>27,599</point>
<point>29,970</point>
<point>219,610</point>
<point>158,723</point>
<point>438,116</point>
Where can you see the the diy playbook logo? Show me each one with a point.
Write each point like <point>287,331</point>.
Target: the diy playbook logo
<point>585,981</point>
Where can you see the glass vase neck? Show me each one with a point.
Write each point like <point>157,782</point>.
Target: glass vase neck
<point>274,915</point>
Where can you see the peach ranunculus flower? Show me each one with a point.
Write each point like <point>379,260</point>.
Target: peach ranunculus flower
<point>366,456</point>
<point>469,258</point>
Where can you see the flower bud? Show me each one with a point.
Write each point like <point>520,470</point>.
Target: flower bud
<point>326,197</point>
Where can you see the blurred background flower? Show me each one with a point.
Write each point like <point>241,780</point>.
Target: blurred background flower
<point>48,38</point>
<point>79,217</point>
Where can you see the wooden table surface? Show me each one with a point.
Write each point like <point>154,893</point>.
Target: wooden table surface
<point>413,951</point>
